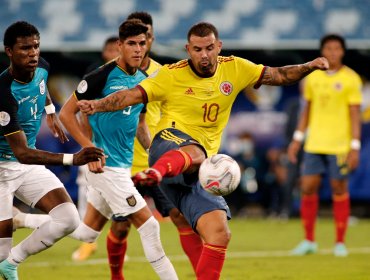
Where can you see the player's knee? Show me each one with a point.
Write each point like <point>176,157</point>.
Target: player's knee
<point>65,217</point>
<point>120,229</point>
<point>149,228</point>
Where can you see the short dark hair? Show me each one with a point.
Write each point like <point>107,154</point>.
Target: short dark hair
<point>110,40</point>
<point>131,27</point>
<point>19,29</point>
<point>202,29</point>
<point>332,37</point>
<point>145,17</point>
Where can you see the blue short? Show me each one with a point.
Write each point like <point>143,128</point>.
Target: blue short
<point>184,190</point>
<point>334,165</point>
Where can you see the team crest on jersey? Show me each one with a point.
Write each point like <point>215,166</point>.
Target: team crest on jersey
<point>4,118</point>
<point>42,86</point>
<point>82,87</point>
<point>338,86</point>
<point>226,88</point>
<point>131,200</point>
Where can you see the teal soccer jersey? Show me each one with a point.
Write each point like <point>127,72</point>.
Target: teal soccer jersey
<point>114,132</point>
<point>21,107</point>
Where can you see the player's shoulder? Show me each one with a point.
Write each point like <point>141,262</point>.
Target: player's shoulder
<point>350,72</point>
<point>227,59</point>
<point>155,63</point>
<point>43,64</point>
<point>101,71</point>
<point>5,79</point>
<point>177,65</point>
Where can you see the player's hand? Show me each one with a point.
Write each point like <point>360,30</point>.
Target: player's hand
<point>320,63</point>
<point>87,106</point>
<point>96,166</point>
<point>353,159</point>
<point>55,127</point>
<point>293,150</point>
<point>89,154</point>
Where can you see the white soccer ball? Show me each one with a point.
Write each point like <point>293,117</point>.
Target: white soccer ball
<point>219,174</point>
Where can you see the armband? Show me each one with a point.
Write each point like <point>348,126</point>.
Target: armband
<point>67,159</point>
<point>355,144</point>
<point>50,109</point>
<point>298,136</point>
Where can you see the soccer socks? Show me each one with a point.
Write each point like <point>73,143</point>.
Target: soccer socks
<point>341,209</point>
<point>191,244</point>
<point>173,163</point>
<point>5,246</point>
<point>116,254</point>
<point>309,208</point>
<point>64,219</point>
<point>85,233</point>
<point>211,262</point>
<point>149,234</point>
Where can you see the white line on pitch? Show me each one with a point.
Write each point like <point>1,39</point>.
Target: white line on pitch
<point>230,255</point>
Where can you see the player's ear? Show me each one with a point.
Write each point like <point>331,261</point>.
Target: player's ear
<point>187,47</point>
<point>8,51</point>
<point>219,46</point>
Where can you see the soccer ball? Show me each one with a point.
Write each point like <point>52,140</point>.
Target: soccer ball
<point>219,174</point>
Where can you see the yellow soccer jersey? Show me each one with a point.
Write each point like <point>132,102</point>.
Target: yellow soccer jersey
<point>152,116</point>
<point>329,124</point>
<point>200,106</point>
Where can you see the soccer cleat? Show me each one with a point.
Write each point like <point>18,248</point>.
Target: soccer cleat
<point>8,271</point>
<point>304,248</point>
<point>84,251</point>
<point>148,178</point>
<point>340,250</point>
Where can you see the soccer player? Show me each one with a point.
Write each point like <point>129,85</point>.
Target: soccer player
<point>113,192</point>
<point>117,236</point>
<point>22,102</point>
<point>196,95</point>
<point>109,52</point>
<point>332,118</point>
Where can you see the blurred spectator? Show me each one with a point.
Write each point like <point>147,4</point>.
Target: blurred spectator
<point>110,51</point>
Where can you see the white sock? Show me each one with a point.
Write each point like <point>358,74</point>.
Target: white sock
<point>35,220</point>
<point>64,219</point>
<point>84,233</point>
<point>5,246</point>
<point>149,234</point>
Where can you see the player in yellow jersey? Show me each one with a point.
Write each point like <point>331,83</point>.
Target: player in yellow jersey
<point>197,95</point>
<point>332,117</point>
<point>117,236</point>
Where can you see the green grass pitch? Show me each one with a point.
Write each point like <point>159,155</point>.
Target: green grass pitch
<point>259,249</point>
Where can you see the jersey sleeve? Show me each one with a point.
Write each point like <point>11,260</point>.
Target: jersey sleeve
<point>8,112</point>
<point>355,94</point>
<point>157,85</point>
<point>92,85</point>
<point>307,88</point>
<point>249,73</point>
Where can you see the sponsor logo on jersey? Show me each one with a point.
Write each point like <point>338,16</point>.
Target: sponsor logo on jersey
<point>226,88</point>
<point>4,118</point>
<point>189,91</point>
<point>42,87</point>
<point>118,87</point>
<point>23,99</point>
<point>82,87</point>
<point>131,200</point>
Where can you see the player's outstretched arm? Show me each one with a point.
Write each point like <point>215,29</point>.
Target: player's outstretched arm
<point>24,154</point>
<point>290,74</point>
<point>114,102</point>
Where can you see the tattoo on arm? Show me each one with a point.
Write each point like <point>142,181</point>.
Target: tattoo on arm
<point>286,75</point>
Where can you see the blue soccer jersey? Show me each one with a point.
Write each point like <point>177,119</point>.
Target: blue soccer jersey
<point>114,132</point>
<point>21,107</point>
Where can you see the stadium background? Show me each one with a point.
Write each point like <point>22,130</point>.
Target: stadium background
<point>273,33</point>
